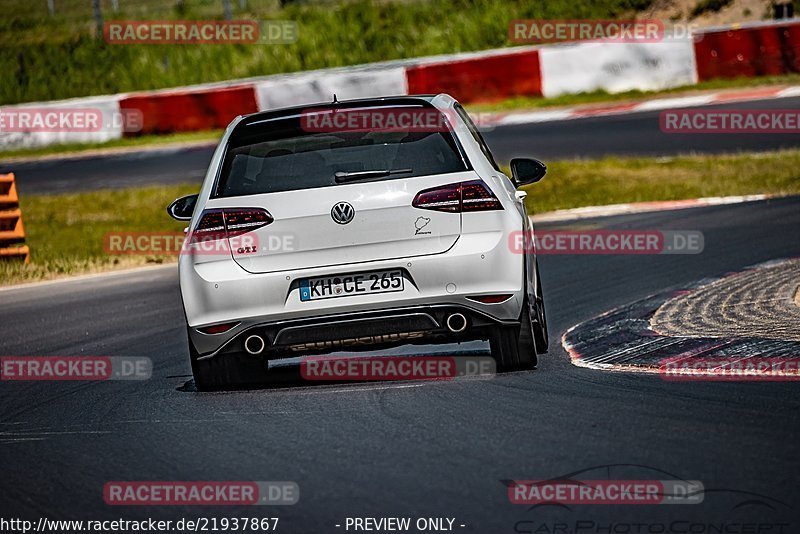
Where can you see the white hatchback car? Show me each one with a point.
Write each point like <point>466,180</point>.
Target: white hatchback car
<point>356,225</point>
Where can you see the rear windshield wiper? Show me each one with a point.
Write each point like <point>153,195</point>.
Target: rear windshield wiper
<point>342,176</point>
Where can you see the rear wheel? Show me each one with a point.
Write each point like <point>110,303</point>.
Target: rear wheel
<point>514,346</point>
<point>540,318</point>
<point>227,371</point>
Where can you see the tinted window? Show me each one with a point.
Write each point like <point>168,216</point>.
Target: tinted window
<point>279,155</point>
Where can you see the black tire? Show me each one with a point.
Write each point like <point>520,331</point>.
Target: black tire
<point>227,371</point>
<point>514,346</point>
<point>540,319</point>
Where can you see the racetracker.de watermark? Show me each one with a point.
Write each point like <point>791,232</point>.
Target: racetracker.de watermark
<point>730,121</point>
<point>201,493</point>
<point>88,368</point>
<point>376,368</point>
<point>757,369</point>
<point>388,119</point>
<point>587,30</point>
<point>200,32</point>
<point>607,242</point>
<point>65,119</point>
<point>178,243</point>
<point>235,523</point>
<point>614,492</point>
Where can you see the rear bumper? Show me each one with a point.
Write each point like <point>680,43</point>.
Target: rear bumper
<point>352,331</point>
<point>269,303</point>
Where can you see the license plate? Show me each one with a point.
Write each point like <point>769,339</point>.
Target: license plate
<point>345,285</point>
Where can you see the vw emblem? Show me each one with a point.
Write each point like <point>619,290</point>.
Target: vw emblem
<point>342,212</point>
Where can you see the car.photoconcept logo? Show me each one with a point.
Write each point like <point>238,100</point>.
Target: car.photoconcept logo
<point>342,212</point>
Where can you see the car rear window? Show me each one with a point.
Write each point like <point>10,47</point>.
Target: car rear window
<point>284,154</point>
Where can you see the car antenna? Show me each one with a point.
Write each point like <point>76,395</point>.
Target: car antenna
<point>334,98</point>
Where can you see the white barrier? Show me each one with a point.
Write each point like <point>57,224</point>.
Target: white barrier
<point>616,67</point>
<point>320,86</point>
<point>12,136</point>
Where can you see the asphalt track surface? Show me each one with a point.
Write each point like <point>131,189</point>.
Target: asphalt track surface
<point>424,449</point>
<point>593,137</point>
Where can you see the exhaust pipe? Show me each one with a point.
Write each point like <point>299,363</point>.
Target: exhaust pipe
<point>254,344</point>
<point>456,322</point>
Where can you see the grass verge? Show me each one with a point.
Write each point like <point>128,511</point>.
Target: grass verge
<point>614,180</point>
<point>49,57</point>
<point>66,233</point>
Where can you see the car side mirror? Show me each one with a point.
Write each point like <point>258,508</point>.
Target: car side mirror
<point>526,171</point>
<point>182,208</point>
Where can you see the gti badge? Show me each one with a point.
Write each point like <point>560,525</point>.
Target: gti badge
<point>342,212</point>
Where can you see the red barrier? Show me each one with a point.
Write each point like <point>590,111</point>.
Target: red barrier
<point>748,52</point>
<point>192,110</point>
<point>479,79</point>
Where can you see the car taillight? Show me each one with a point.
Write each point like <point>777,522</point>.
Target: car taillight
<point>230,222</point>
<point>443,198</point>
<point>474,195</point>
<point>241,220</point>
<point>210,226</point>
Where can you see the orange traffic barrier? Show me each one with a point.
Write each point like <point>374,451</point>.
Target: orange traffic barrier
<point>21,253</point>
<point>12,232</point>
<point>8,192</point>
